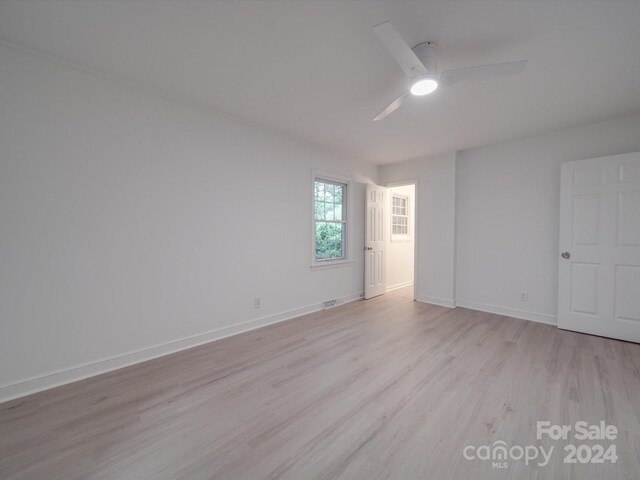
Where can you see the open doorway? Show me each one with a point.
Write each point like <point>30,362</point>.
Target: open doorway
<point>400,239</point>
<point>390,239</point>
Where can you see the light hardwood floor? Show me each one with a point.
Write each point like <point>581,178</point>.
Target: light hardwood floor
<point>384,388</point>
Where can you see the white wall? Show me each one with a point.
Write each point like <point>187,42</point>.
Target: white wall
<point>435,218</point>
<point>399,250</point>
<point>488,217</point>
<point>133,225</point>
<point>508,198</point>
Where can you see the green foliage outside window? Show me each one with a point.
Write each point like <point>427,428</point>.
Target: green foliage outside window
<point>329,241</point>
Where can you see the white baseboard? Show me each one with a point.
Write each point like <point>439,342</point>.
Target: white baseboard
<point>398,286</point>
<point>509,312</point>
<point>80,372</point>
<point>443,302</point>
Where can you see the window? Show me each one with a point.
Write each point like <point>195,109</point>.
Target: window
<point>330,221</point>
<point>399,215</point>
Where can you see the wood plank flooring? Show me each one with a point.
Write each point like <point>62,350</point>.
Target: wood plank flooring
<point>385,388</point>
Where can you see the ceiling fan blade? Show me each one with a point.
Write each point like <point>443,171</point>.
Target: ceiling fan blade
<point>392,107</point>
<point>482,72</point>
<point>399,50</point>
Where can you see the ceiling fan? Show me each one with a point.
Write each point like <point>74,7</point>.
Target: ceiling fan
<point>421,67</point>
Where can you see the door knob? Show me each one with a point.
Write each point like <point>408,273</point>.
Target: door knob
<point>565,255</point>
<point>368,248</point>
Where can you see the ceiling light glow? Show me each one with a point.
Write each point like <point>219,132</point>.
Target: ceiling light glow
<point>423,86</point>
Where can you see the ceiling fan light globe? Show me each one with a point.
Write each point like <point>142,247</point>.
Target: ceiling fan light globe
<point>423,86</point>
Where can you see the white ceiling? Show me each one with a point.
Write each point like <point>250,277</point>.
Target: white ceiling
<point>316,71</point>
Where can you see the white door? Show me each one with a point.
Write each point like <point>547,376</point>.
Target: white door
<point>374,259</point>
<point>600,247</point>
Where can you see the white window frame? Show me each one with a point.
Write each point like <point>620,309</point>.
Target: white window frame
<point>348,222</point>
<point>396,237</point>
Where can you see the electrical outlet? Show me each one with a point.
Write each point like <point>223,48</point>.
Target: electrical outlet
<point>256,302</point>
<point>524,296</point>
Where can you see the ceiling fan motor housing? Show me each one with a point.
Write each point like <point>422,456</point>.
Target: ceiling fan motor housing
<point>426,53</point>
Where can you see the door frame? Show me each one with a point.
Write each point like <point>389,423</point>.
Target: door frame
<point>416,209</point>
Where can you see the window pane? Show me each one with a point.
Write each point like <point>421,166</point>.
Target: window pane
<point>399,225</point>
<point>329,192</point>
<point>329,241</point>
<point>338,194</point>
<point>399,205</point>
<point>337,212</point>
<point>319,190</point>
<point>329,211</point>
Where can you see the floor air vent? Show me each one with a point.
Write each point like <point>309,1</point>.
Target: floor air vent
<point>332,303</point>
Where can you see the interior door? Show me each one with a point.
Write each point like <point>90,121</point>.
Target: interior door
<point>374,272</point>
<point>600,247</point>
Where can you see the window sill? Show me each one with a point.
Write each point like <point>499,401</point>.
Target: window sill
<point>334,263</point>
